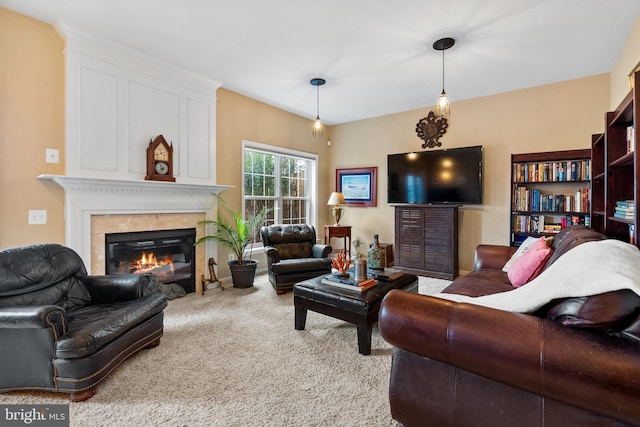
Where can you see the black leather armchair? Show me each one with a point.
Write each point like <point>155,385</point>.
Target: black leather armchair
<point>293,255</point>
<point>64,331</point>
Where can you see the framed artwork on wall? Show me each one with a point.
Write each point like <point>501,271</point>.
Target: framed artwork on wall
<point>358,185</point>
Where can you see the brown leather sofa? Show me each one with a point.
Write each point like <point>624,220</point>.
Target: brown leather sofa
<point>574,362</point>
<point>293,255</point>
<point>65,331</point>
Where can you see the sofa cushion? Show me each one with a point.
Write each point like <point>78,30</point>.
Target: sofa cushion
<point>609,311</point>
<point>528,266</point>
<point>92,327</point>
<point>480,282</point>
<point>296,265</point>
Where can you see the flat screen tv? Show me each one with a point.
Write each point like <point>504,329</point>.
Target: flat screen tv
<point>436,177</point>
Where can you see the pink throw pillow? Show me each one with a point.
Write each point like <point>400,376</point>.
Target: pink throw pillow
<point>523,269</point>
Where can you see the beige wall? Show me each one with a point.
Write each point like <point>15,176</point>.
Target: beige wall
<point>625,63</point>
<point>553,117</point>
<point>31,120</point>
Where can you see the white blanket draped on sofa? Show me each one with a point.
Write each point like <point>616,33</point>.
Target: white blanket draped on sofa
<point>588,269</point>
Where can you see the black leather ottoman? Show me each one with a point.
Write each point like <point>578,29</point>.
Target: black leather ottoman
<point>358,308</point>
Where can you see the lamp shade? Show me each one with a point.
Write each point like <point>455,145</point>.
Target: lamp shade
<point>336,199</point>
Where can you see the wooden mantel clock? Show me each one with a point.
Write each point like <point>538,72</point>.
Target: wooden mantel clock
<point>160,160</point>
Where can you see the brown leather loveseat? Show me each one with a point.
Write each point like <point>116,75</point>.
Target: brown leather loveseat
<point>573,362</point>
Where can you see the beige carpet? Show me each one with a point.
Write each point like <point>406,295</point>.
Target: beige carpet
<point>233,358</point>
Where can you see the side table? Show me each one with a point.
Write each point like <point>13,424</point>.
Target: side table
<point>338,231</point>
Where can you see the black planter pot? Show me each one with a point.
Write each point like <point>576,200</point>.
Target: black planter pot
<point>242,275</point>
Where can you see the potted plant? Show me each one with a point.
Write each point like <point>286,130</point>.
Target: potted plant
<point>234,234</point>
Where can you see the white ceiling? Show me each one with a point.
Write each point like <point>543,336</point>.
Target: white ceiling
<point>376,55</point>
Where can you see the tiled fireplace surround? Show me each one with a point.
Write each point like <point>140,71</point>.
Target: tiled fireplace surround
<point>94,207</point>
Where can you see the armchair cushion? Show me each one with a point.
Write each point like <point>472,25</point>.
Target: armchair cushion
<point>295,265</point>
<point>94,326</point>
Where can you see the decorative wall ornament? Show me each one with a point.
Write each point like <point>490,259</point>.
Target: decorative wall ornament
<point>430,129</point>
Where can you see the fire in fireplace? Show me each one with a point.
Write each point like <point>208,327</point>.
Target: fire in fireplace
<point>169,254</point>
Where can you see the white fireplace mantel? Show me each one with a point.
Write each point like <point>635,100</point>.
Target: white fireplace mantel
<point>85,197</point>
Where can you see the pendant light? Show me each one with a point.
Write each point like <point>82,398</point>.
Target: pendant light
<point>318,129</point>
<point>443,107</point>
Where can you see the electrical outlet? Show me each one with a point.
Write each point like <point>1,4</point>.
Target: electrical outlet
<point>52,155</point>
<point>232,257</point>
<point>37,217</point>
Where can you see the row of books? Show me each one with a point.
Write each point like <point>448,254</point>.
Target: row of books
<point>537,224</point>
<point>625,209</point>
<point>373,276</point>
<point>533,200</point>
<point>572,170</point>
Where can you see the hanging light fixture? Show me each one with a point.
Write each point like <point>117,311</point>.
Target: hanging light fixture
<point>318,129</point>
<point>442,107</point>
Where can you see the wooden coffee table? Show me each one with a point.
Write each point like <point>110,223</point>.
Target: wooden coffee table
<point>358,308</point>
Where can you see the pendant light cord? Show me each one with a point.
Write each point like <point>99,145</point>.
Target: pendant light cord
<point>317,102</point>
<point>443,70</point>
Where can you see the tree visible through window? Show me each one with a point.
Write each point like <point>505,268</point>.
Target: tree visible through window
<point>279,182</point>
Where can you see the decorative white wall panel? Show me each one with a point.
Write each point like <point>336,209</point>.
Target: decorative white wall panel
<point>118,100</point>
<point>98,120</point>
<point>198,159</point>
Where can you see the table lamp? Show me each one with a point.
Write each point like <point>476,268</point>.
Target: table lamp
<point>337,199</point>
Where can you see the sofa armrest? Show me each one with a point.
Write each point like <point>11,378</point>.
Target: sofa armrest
<point>272,254</point>
<point>492,257</point>
<point>119,287</point>
<point>34,317</point>
<point>520,350</point>
<point>321,251</point>
<point>29,335</point>
<point>50,317</point>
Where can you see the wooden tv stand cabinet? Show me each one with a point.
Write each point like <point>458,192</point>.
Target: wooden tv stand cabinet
<point>426,240</point>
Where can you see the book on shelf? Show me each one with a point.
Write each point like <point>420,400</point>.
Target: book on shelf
<point>624,210</point>
<point>351,285</point>
<point>552,228</point>
<point>623,215</point>
<point>625,204</point>
<point>386,275</point>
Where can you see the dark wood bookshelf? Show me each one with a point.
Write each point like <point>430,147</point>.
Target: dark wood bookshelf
<point>550,186</point>
<point>615,169</point>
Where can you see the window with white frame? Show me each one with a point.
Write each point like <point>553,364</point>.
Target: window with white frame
<point>282,180</point>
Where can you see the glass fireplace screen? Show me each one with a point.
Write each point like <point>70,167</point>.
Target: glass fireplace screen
<point>169,254</point>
